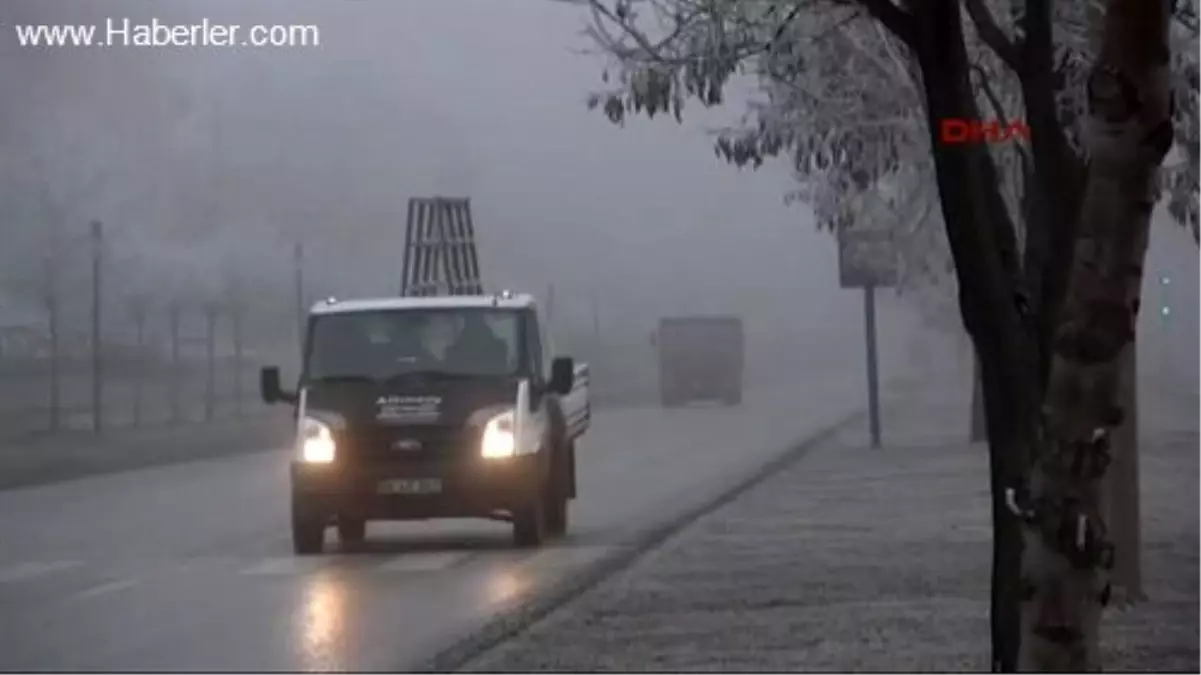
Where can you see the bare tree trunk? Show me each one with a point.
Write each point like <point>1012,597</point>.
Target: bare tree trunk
<point>236,325</point>
<point>139,318</point>
<point>978,425</point>
<point>55,361</point>
<point>1123,511</point>
<point>987,267</point>
<point>176,363</point>
<point>210,362</point>
<point>1067,549</point>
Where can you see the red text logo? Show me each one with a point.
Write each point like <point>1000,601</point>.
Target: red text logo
<point>953,130</point>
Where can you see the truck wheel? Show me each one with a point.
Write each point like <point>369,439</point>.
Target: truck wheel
<point>351,531</point>
<point>529,524</point>
<point>308,536</point>
<point>556,516</point>
<point>560,490</point>
<point>571,477</point>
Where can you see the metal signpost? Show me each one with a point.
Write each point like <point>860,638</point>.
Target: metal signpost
<point>867,259</point>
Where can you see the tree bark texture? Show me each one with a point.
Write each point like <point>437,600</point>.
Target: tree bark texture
<point>1068,550</point>
<point>1057,183</point>
<point>1123,512</point>
<point>978,431</point>
<point>987,265</point>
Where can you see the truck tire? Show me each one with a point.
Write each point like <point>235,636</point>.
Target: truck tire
<point>559,490</point>
<point>556,516</point>
<point>529,524</point>
<point>308,535</point>
<point>571,477</point>
<point>351,531</point>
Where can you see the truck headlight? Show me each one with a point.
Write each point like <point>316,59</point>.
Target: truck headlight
<point>316,442</point>
<point>498,438</point>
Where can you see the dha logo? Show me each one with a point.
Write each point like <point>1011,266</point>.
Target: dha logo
<point>957,131</point>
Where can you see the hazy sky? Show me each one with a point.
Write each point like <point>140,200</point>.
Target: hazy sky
<point>206,159</point>
<point>410,98</point>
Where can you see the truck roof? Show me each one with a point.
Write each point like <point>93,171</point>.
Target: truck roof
<point>334,306</point>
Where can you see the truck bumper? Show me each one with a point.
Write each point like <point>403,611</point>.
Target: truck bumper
<point>468,488</point>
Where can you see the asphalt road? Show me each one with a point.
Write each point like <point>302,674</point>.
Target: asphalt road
<point>190,567</point>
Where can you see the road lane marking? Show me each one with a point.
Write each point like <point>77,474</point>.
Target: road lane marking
<point>105,589</point>
<point>30,570</point>
<point>422,562</point>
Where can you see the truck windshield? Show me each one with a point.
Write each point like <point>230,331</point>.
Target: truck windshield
<point>378,345</point>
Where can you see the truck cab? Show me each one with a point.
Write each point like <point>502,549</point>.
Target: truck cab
<point>415,408</point>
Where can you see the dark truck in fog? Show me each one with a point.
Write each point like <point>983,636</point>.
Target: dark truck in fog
<point>700,358</point>
<point>414,408</point>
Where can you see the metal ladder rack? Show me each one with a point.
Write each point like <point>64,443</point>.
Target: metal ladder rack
<point>440,256</point>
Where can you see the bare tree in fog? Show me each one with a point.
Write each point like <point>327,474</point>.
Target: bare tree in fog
<point>705,45</point>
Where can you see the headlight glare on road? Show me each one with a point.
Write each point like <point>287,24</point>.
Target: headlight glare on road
<point>498,441</point>
<point>316,442</point>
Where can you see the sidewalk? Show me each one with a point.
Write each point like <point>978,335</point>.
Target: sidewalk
<point>857,559</point>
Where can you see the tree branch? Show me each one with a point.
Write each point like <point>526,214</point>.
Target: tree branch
<point>995,101</point>
<point>895,19</point>
<point>990,32</point>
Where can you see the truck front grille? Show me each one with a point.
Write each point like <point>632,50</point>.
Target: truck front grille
<point>398,443</point>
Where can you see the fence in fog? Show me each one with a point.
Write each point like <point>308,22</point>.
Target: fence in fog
<point>155,365</point>
<point>96,347</point>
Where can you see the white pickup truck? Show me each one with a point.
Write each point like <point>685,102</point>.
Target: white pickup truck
<point>432,407</point>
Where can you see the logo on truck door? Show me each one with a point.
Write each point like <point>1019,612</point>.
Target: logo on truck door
<point>408,409</point>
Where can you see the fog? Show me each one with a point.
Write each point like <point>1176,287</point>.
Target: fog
<point>206,164</point>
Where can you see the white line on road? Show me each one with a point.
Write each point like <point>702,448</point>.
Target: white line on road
<point>30,570</point>
<point>105,589</point>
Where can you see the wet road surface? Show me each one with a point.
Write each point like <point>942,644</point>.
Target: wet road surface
<point>190,567</point>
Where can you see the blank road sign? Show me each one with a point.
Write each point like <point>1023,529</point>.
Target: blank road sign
<point>866,257</point>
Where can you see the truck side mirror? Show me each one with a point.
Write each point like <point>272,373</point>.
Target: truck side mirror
<point>269,386</point>
<point>562,375</point>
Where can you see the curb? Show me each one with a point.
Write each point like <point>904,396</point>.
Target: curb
<point>512,622</point>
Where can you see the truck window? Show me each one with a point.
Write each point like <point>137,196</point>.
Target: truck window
<point>381,344</point>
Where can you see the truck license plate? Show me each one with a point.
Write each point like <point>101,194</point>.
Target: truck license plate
<point>410,486</point>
